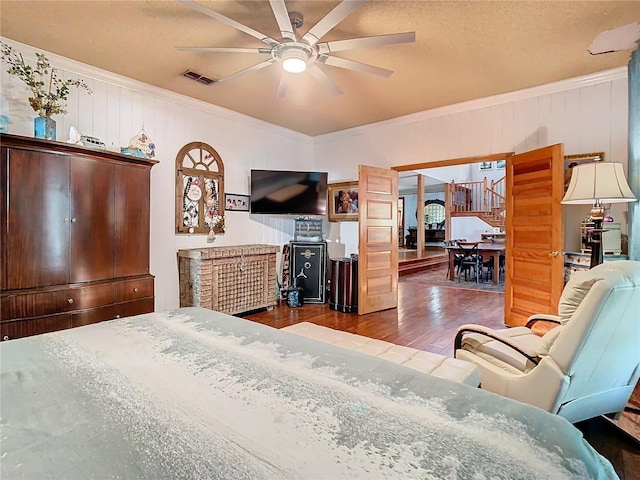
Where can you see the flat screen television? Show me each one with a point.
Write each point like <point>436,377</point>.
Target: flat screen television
<point>286,192</point>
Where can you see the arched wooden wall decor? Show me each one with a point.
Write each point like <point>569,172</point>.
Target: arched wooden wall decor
<point>199,189</point>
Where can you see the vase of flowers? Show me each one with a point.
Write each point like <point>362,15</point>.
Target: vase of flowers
<point>216,224</point>
<point>49,92</point>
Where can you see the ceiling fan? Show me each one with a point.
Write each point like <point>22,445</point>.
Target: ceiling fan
<point>299,53</point>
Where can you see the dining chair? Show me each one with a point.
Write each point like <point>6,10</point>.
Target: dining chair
<point>470,260</point>
<point>457,258</point>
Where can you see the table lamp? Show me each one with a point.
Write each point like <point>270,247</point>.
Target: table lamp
<point>598,183</point>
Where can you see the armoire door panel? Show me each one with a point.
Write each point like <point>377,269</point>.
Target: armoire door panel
<point>132,197</point>
<point>92,247</point>
<point>37,233</point>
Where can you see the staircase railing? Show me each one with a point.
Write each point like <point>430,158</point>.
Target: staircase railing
<point>480,198</point>
<point>495,195</point>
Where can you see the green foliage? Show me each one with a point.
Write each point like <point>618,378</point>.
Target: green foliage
<point>49,92</point>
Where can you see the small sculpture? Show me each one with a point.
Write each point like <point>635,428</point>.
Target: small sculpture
<point>74,135</point>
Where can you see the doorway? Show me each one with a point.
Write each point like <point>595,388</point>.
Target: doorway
<point>424,186</point>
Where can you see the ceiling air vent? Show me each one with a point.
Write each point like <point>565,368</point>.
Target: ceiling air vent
<point>197,77</point>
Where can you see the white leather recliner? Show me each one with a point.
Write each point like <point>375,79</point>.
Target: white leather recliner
<point>586,366</point>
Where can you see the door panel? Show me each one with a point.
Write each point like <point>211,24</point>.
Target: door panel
<point>37,231</point>
<point>534,260</point>
<point>378,244</point>
<point>132,226</point>
<point>92,220</point>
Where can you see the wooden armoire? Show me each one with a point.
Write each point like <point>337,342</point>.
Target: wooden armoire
<point>74,245</point>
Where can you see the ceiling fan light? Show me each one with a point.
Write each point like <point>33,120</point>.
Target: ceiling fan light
<point>294,61</point>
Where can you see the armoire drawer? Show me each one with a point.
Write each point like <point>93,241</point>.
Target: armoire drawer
<point>134,289</point>
<point>51,301</point>
<point>25,327</point>
<point>93,315</point>
<point>135,307</point>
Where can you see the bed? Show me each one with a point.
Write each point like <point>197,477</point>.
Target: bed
<point>196,394</point>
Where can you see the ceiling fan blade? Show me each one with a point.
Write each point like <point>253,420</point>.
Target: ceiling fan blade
<point>367,42</point>
<point>224,50</point>
<point>232,23</point>
<point>282,86</point>
<point>357,66</point>
<point>621,38</point>
<point>317,73</point>
<point>282,17</point>
<point>335,16</point>
<point>253,68</point>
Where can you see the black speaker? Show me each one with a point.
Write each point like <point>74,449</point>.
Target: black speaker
<point>308,265</point>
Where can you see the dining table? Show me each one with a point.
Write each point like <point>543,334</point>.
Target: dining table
<point>485,249</point>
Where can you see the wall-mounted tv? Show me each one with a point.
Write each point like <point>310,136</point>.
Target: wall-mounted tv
<point>286,192</point>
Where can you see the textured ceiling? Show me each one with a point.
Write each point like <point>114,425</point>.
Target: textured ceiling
<point>463,50</point>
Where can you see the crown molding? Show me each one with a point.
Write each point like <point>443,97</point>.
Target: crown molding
<point>120,81</point>
<point>476,104</point>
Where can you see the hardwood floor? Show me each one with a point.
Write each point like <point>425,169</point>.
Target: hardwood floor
<point>427,318</point>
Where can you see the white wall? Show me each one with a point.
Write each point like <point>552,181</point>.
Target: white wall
<point>117,110</point>
<point>586,114</point>
<point>468,228</point>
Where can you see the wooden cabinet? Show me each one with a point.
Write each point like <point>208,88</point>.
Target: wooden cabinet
<point>75,234</point>
<point>579,262</point>
<point>430,236</point>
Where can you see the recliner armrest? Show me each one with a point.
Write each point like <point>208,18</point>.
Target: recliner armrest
<point>543,317</point>
<point>488,332</point>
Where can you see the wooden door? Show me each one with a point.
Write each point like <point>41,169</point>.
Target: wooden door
<point>92,251</point>
<point>132,220</point>
<point>535,234</point>
<point>36,204</point>
<point>378,239</point>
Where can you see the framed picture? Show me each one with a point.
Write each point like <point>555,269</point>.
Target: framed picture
<point>571,161</point>
<point>500,164</point>
<point>486,166</point>
<point>239,203</point>
<point>343,202</point>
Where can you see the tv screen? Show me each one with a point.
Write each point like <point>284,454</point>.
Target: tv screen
<point>288,192</point>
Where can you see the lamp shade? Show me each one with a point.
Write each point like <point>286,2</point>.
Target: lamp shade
<point>598,181</point>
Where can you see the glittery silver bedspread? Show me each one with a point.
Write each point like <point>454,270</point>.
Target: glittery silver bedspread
<point>195,394</point>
